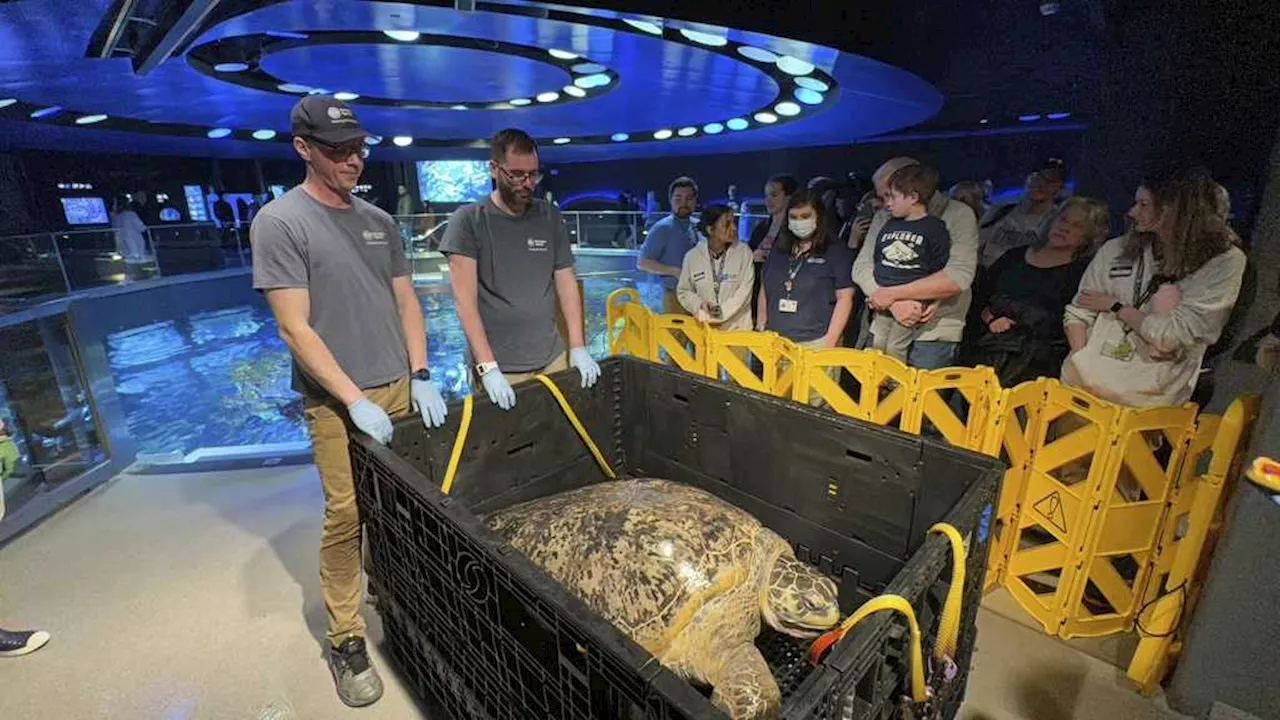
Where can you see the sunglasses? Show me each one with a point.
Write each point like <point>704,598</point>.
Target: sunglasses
<point>338,153</point>
<point>518,178</point>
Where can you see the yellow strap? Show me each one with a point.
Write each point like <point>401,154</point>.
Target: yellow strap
<point>458,443</point>
<point>949,625</point>
<point>577,425</point>
<point>461,440</point>
<point>896,602</point>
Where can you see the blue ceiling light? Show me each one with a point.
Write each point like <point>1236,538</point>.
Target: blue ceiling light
<point>812,83</point>
<point>662,135</point>
<point>588,68</point>
<point>264,134</point>
<point>808,97</point>
<point>46,112</point>
<point>218,133</point>
<point>345,96</point>
<point>766,118</point>
<point>789,109</point>
<point>231,67</point>
<point>458,107</point>
<point>294,88</point>
<point>547,97</point>
<point>1028,118</point>
<point>620,137</point>
<point>372,139</point>
<point>1058,115</point>
<point>287,35</point>
<point>588,82</point>
<point>704,38</point>
<point>561,141</point>
<point>794,66</point>
<point>402,141</point>
<point>983,121</point>
<point>574,91</point>
<point>688,131</point>
<point>562,54</point>
<point>713,128</point>
<point>757,54</point>
<point>520,102</point>
<point>737,124</point>
<point>403,35</point>
<point>6,102</point>
<point>644,26</point>
<point>317,91</point>
<point>90,119</point>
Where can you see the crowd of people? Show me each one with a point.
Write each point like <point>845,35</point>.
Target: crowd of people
<point>936,279</point>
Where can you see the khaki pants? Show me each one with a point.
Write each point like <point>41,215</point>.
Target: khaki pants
<point>340,547</point>
<point>560,363</point>
<point>834,373</point>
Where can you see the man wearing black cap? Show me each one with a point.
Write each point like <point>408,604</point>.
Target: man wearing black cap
<point>334,273</point>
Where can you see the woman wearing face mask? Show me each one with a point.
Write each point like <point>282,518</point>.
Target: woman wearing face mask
<point>716,276</point>
<point>807,292</point>
<point>1153,300</point>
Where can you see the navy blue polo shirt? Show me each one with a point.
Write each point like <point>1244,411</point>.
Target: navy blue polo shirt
<point>814,288</point>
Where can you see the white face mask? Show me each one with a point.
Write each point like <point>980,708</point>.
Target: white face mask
<point>802,228</point>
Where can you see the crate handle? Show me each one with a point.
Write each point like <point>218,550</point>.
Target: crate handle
<point>948,640</point>
<point>919,690</point>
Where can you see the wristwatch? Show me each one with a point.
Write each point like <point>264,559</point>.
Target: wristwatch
<point>1116,307</point>
<point>423,374</point>
<point>485,368</point>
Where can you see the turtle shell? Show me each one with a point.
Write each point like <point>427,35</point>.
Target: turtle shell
<point>645,554</point>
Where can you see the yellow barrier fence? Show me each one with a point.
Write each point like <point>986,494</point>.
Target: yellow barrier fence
<point>1105,512</point>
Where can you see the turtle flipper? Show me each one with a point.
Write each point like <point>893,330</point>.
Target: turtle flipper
<point>743,686</point>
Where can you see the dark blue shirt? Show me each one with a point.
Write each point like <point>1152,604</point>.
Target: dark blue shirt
<point>910,250</point>
<point>817,278</point>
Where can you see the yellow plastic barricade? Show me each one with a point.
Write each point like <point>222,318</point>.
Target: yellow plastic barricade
<point>628,323</point>
<point>731,353</point>
<point>1188,536</point>
<point>1129,506</point>
<point>789,357</point>
<point>938,391</point>
<point>1056,501</point>
<point>814,381</point>
<point>679,340</point>
<point>1011,436</point>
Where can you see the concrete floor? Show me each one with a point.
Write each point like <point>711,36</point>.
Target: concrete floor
<point>197,596</point>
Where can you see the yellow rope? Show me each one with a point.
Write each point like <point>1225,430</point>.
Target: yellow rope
<point>458,443</point>
<point>919,691</point>
<point>577,425</point>
<point>949,625</point>
<point>461,440</point>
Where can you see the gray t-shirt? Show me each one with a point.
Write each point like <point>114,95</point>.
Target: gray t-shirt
<point>346,258</point>
<point>516,259</point>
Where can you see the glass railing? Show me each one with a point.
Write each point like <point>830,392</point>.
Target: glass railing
<point>48,433</point>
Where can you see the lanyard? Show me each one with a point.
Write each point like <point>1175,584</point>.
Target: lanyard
<point>794,264</point>
<point>717,270</point>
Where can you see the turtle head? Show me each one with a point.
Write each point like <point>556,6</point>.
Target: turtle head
<point>798,600</point>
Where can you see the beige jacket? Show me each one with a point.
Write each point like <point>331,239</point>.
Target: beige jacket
<point>1169,347</point>
<point>695,287</point>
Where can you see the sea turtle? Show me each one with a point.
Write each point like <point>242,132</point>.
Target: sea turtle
<point>684,574</point>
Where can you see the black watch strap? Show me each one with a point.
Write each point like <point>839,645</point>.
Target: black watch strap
<point>423,374</point>
<point>1116,307</point>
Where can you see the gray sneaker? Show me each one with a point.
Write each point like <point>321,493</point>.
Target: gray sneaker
<point>358,683</point>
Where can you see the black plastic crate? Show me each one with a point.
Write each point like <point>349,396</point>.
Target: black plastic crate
<point>474,623</point>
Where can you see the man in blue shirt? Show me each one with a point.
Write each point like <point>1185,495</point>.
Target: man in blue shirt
<point>669,239</point>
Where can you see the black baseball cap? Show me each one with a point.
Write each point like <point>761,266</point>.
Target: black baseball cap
<point>327,119</point>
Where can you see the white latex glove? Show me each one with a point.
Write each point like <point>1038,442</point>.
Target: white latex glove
<point>427,400</point>
<point>499,389</point>
<point>371,420</point>
<point>581,360</point>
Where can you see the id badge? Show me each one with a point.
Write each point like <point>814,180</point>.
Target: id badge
<point>1122,351</point>
<point>787,305</point>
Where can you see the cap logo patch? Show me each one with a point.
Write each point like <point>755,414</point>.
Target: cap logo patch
<point>335,113</point>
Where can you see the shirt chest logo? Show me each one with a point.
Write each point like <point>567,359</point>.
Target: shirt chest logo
<point>537,244</point>
<point>374,237</point>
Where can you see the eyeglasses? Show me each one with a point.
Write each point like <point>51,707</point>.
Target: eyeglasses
<point>519,178</point>
<point>338,153</point>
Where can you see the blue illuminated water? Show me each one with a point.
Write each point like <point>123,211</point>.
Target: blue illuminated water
<point>222,378</point>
